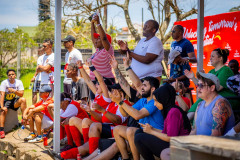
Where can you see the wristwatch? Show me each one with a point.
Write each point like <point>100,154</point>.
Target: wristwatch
<point>121,103</point>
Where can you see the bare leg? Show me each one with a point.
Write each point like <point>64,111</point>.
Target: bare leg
<point>84,149</point>
<point>31,124</point>
<point>38,121</point>
<point>120,135</point>
<point>34,98</point>
<point>95,130</point>
<point>3,114</point>
<point>108,153</point>
<point>50,108</point>
<point>22,103</point>
<point>77,122</point>
<point>130,136</point>
<point>86,123</point>
<point>165,154</point>
<point>92,156</point>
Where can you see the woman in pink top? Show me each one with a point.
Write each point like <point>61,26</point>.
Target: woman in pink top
<point>101,58</point>
<point>151,141</point>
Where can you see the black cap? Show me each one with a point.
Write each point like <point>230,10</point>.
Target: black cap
<point>45,88</point>
<point>115,86</point>
<point>69,38</point>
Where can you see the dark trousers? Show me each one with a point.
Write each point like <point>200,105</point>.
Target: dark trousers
<point>149,145</point>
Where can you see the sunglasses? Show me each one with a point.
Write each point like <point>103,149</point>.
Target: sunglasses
<point>173,31</point>
<point>200,86</point>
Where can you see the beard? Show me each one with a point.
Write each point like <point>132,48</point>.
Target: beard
<point>147,94</point>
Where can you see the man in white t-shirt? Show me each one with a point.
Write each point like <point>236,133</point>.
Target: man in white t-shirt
<point>11,97</point>
<point>72,56</point>
<point>47,66</point>
<point>148,54</point>
<point>37,77</point>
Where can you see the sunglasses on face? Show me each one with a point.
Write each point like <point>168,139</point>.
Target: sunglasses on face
<point>200,86</point>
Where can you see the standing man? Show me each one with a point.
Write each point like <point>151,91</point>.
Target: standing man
<point>183,45</point>
<point>47,68</point>
<point>72,56</point>
<point>148,54</point>
<point>12,91</point>
<point>37,77</point>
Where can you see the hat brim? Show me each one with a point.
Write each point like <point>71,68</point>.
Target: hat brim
<point>64,40</point>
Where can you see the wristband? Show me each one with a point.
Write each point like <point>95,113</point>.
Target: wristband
<point>92,68</point>
<point>80,67</point>
<point>105,112</point>
<point>121,103</point>
<point>99,24</point>
<point>128,68</point>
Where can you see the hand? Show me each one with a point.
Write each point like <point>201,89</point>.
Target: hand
<point>95,19</point>
<point>189,74</point>
<point>113,62</point>
<point>89,62</point>
<point>147,128</point>
<point>3,109</point>
<point>123,45</point>
<point>39,69</point>
<point>126,61</point>
<point>33,79</point>
<point>79,63</point>
<point>85,106</point>
<point>97,107</point>
<point>184,60</point>
<point>11,90</point>
<point>65,122</point>
<point>175,85</point>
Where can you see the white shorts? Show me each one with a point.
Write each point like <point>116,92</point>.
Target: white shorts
<point>46,122</point>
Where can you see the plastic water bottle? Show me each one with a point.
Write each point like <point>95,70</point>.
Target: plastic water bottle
<point>23,127</point>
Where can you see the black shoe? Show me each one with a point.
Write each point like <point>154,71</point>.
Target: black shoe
<point>55,154</point>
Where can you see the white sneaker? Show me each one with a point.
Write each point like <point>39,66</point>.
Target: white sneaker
<point>36,140</point>
<point>30,137</point>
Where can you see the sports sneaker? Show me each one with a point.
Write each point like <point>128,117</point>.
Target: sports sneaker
<point>30,137</point>
<point>36,140</point>
<point>2,134</point>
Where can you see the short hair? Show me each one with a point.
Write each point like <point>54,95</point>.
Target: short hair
<point>224,53</point>
<point>9,70</point>
<point>154,82</point>
<point>74,66</point>
<point>65,95</point>
<point>155,24</point>
<point>180,28</point>
<point>48,40</point>
<point>209,82</point>
<point>234,61</point>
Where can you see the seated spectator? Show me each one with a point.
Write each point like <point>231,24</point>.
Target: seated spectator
<point>148,54</point>
<point>233,83</point>
<point>11,97</point>
<point>145,111</point>
<point>177,70</point>
<point>151,141</point>
<point>79,90</point>
<point>214,116</point>
<point>181,101</point>
<point>39,114</point>
<point>218,59</point>
<point>70,109</point>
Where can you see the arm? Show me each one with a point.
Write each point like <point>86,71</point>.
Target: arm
<point>182,103</point>
<point>220,113</point>
<point>25,113</point>
<point>190,75</point>
<point>136,114</point>
<point>192,57</point>
<point>147,59</point>
<point>170,80</point>
<point>36,109</point>
<point>101,83</point>
<point>17,92</point>
<point>86,78</point>
<point>2,98</point>
<point>194,128</point>
<point>93,30</point>
<point>46,68</point>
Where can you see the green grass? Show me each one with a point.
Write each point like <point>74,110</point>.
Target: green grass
<point>26,79</point>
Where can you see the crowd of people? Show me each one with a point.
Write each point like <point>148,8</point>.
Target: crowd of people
<point>104,116</point>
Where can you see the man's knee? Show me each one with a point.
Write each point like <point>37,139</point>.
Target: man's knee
<point>131,131</point>
<point>73,121</point>
<point>86,122</point>
<point>119,129</point>
<point>95,127</point>
<point>22,100</point>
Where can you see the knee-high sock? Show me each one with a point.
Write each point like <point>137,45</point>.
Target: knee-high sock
<point>93,144</point>
<point>70,154</point>
<point>75,135</point>
<point>62,132</point>
<point>69,136</point>
<point>85,134</point>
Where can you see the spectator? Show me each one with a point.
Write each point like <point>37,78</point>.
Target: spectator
<point>177,72</point>
<point>47,66</point>
<point>214,116</point>
<point>12,91</point>
<point>37,76</point>
<point>79,90</point>
<point>233,83</point>
<point>218,59</point>
<point>148,54</point>
<point>144,111</point>
<point>72,56</point>
<point>182,45</point>
<point>235,130</point>
<point>100,59</point>
<point>181,101</point>
<point>39,114</point>
<point>151,141</point>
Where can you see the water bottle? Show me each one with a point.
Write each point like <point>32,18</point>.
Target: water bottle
<point>23,127</point>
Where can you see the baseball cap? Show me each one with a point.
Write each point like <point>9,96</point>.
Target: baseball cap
<point>69,38</point>
<point>96,35</point>
<point>213,78</point>
<point>172,55</point>
<point>45,88</point>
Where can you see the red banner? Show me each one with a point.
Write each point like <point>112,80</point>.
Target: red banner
<point>220,31</point>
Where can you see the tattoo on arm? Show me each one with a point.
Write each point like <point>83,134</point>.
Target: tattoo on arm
<point>120,78</point>
<point>221,112</point>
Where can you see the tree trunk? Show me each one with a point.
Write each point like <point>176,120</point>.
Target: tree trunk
<point>105,16</point>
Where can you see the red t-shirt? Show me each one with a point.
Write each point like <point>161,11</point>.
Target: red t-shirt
<point>45,104</point>
<point>186,100</point>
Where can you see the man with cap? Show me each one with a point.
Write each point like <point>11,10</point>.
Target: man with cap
<point>177,68</point>
<point>72,56</point>
<point>39,114</point>
<point>214,116</point>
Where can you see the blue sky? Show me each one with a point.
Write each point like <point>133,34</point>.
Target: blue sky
<point>25,12</point>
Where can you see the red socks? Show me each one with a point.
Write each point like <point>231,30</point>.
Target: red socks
<point>75,135</point>
<point>69,136</point>
<point>70,154</point>
<point>93,144</point>
<point>85,134</point>
<point>62,132</point>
